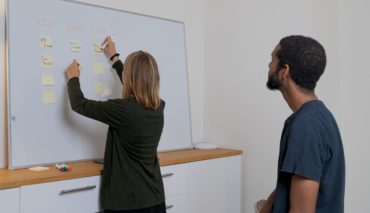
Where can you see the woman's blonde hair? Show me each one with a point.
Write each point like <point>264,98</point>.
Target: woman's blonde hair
<point>141,79</point>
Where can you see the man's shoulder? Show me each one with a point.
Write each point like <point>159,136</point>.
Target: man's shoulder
<point>312,113</point>
<point>317,121</point>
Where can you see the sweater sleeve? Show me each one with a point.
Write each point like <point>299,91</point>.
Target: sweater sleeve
<point>118,66</point>
<point>111,112</point>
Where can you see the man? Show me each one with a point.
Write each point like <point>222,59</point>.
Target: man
<point>311,166</point>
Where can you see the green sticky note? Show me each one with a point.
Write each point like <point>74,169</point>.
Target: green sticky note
<point>74,46</point>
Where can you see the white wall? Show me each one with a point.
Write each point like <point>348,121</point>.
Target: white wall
<point>355,101</point>
<point>3,144</point>
<point>191,12</point>
<point>229,45</point>
<point>239,111</point>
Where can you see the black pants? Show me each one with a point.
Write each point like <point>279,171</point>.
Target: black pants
<point>161,208</point>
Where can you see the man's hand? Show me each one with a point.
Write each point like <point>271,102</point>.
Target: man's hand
<point>270,201</point>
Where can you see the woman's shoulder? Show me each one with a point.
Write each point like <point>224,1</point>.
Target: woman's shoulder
<point>121,102</point>
<point>131,101</point>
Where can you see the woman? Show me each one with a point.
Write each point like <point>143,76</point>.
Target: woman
<point>132,180</point>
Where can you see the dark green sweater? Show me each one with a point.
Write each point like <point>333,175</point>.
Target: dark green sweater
<point>131,177</point>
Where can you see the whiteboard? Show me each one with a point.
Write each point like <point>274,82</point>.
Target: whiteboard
<point>42,127</point>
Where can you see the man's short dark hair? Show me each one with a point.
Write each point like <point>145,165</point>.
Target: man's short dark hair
<point>306,59</point>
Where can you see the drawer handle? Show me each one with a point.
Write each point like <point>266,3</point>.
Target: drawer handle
<point>167,175</point>
<point>77,189</point>
<point>169,206</point>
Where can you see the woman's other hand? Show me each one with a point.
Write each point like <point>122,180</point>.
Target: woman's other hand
<point>73,70</point>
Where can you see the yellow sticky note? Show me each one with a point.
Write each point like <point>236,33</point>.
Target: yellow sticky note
<point>74,46</point>
<point>97,48</point>
<point>46,61</point>
<point>48,97</point>
<point>99,88</point>
<point>47,79</point>
<point>106,92</point>
<point>98,68</point>
<point>46,41</point>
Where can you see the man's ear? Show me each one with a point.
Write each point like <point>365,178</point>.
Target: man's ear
<point>285,73</point>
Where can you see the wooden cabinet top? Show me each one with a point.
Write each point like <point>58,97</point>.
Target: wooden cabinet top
<point>22,177</point>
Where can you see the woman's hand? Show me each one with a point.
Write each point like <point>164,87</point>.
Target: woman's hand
<point>73,70</point>
<point>110,48</point>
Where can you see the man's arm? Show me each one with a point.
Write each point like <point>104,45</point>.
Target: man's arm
<point>303,195</point>
<point>270,201</point>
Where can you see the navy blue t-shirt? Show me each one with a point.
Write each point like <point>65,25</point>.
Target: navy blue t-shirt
<point>311,146</point>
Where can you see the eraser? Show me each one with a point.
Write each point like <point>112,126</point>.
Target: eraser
<point>205,145</point>
<point>38,168</point>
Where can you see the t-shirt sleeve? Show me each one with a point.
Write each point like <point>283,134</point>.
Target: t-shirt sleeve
<point>305,153</point>
<point>111,112</point>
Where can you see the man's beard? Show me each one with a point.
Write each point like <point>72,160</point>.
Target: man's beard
<point>273,82</point>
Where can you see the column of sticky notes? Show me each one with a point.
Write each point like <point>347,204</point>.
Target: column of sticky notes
<point>47,78</point>
<point>98,67</point>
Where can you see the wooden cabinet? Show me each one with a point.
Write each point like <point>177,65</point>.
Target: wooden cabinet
<point>178,203</point>
<point>204,186</point>
<point>176,179</point>
<point>195,181</point>
<point>9,200</point>
<point>75,195</point>
<point>215,186</point>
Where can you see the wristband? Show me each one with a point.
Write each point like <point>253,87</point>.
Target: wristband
<point>116,54</point>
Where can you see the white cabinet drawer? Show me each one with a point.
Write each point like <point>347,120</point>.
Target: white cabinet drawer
<point>178,204</point>
<point>76,195</point>
<point>175,179</point>
<point>216,185</point>
<point>9,200</point>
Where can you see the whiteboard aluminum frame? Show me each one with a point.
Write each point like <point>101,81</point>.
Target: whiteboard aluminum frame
<point>7,73</point>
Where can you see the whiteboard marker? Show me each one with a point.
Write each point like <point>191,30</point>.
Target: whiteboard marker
<point>106,43</point>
